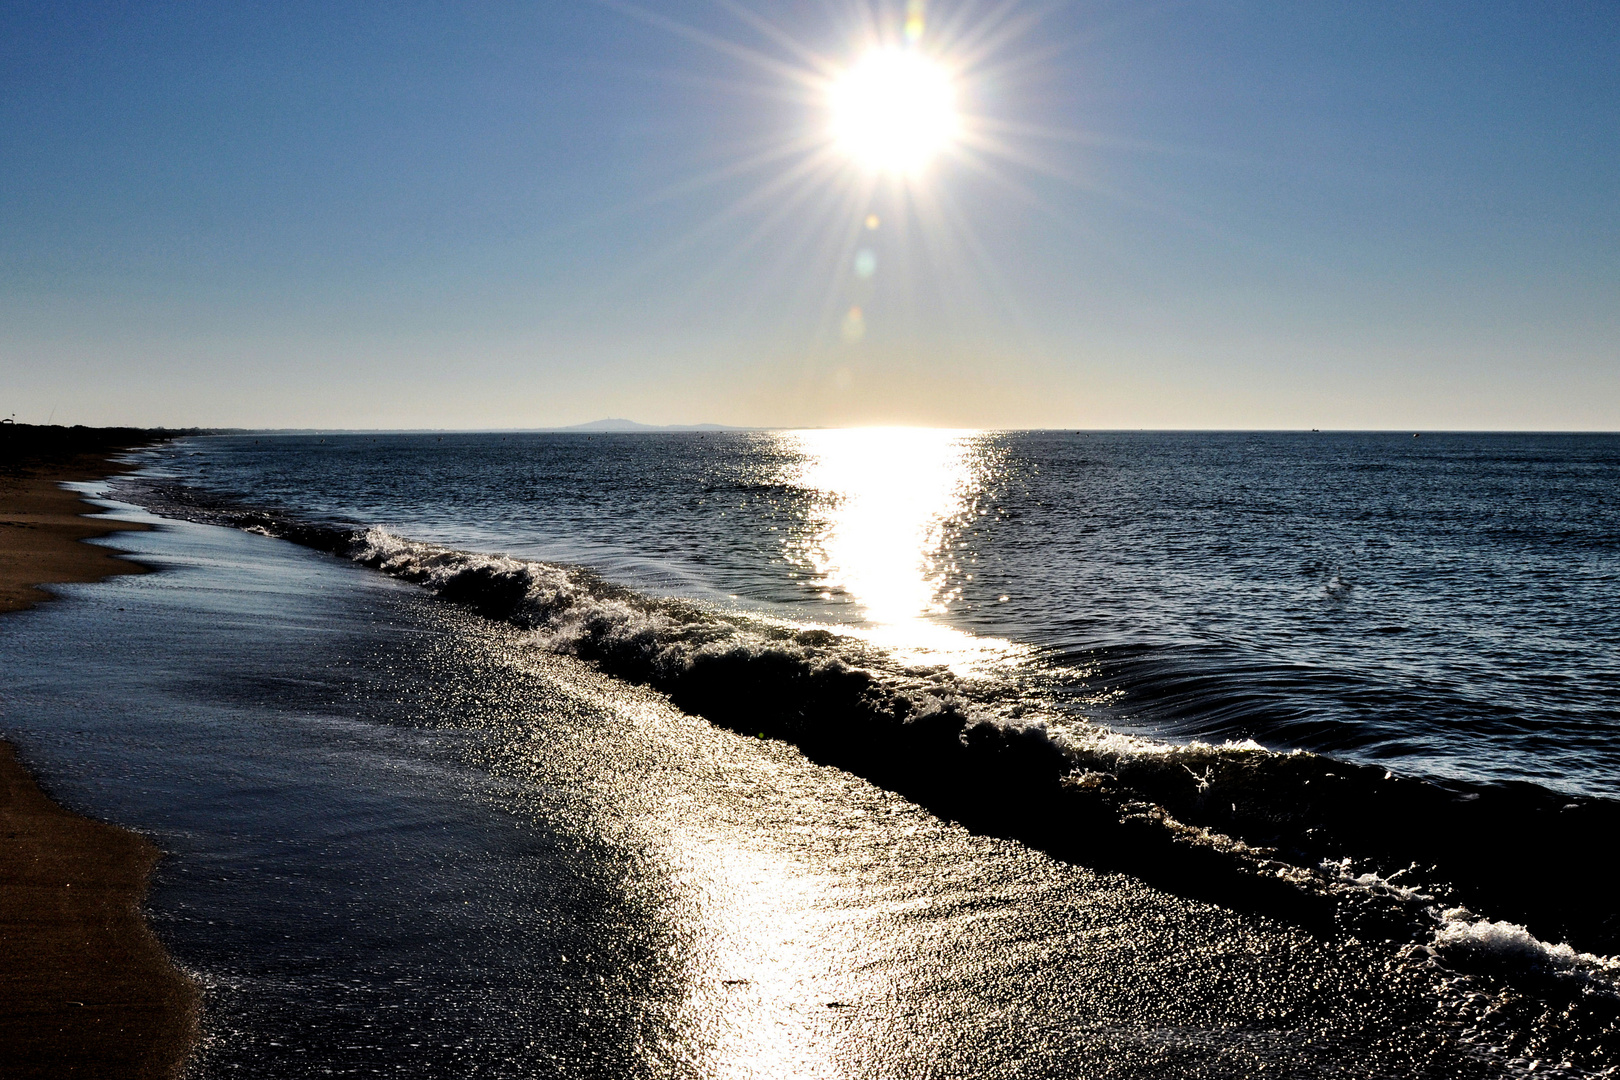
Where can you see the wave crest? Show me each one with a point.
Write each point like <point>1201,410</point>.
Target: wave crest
<point>1235,822</point>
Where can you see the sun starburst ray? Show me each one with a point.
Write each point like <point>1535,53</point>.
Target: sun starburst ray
<point>799,147</point>
<point>826,66</point>
<point>892,114</point>
<point>719,44</point>
<point>792,201</point>
<point>761,195</point>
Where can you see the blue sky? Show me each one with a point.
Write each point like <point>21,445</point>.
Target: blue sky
<point>1201,214</point>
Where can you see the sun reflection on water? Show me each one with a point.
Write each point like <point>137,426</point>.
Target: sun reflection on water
<point>778,965</point>
<point>886,502</point>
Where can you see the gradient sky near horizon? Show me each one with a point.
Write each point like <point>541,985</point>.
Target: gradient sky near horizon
<point>1211,213</point>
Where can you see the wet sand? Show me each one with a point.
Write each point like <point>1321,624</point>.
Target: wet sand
<point>85,987</point>
<point>41,524</point>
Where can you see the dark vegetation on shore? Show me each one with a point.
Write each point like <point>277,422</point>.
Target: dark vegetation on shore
<point>27,449</point>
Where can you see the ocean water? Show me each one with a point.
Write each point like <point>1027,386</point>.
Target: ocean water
<point>863,753</point>
<point>1448,605</point>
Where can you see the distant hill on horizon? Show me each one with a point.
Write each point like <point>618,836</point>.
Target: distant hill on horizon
<point>617,424</point>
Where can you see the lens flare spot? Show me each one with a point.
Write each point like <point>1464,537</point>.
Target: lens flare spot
<point>894,111</point>
<point>914,20</point>
<point>865,263</point>
<point>854,325</point>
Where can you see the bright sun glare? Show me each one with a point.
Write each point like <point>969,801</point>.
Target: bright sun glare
<point>846,204</point>
<point>894,111</point>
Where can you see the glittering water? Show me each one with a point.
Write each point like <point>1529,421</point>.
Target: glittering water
<point>404,842</point>
<point>1449,604</point>
<point>692,813</point>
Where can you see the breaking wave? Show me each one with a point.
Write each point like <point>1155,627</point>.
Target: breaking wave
<point>1334,846</point>
<point>1233,821</point>
<point>1482,943</point>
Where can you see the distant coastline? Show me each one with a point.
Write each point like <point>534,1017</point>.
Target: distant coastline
<point>616,425</point>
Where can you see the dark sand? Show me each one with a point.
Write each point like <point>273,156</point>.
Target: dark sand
<point>40,523</point>
<point>86,990</point>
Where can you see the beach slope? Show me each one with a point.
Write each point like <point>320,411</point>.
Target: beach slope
<point>85,988</point>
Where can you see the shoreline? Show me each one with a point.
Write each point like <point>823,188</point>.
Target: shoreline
<point>86,988</point>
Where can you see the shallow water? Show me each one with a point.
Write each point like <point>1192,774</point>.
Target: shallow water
<point>409,840</point>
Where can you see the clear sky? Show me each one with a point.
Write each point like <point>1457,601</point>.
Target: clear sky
<point>1213,213</point>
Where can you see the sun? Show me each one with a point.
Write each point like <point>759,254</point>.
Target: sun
<point>894,111</point>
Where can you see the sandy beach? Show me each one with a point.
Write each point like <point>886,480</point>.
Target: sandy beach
<point>85,987</point>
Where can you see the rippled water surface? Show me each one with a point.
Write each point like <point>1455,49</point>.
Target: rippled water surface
<point>796,753</point>
<point>405,842</point>
<point>1449,605</point>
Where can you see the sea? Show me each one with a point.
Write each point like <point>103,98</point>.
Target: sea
<point>889,752</point>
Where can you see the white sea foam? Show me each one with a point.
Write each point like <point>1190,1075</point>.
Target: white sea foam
<point>664,641</point>
<point>667,643</point>
<point>540,596</point>
<point>818,682</point>
<point>1103,743</point>
<point>1462,937</point>
<point>1339,871</point>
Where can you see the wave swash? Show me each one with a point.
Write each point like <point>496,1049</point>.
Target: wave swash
<point>1335,847</point>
